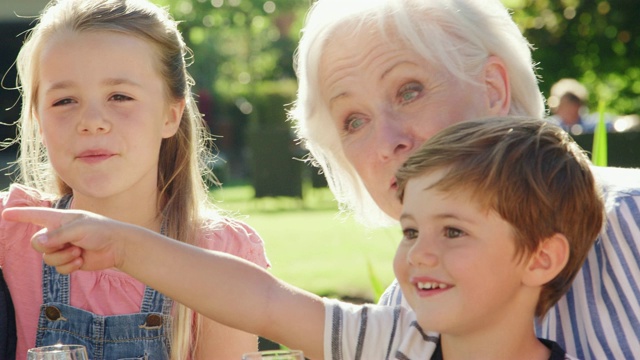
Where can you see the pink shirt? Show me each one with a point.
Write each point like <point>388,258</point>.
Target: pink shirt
<point>107,292</point>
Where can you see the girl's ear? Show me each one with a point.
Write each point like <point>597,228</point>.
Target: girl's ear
<point>498,86</point>
<point>547,261</point>
<point>174,116</point>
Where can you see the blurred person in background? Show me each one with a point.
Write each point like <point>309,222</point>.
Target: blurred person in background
<point>569,104</point>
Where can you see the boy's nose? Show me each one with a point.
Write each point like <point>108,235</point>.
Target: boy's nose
<point>422,253</point>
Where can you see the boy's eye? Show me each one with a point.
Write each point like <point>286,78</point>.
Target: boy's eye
<point>410,234</point>
<point>451,232</point>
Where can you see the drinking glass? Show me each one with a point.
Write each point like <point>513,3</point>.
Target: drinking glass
<point>58,352</point>
<point>274,355</point>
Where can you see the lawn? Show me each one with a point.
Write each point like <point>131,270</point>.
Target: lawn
<point>311,246</point>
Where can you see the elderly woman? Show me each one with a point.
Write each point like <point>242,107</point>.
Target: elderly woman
<point>379,77</point>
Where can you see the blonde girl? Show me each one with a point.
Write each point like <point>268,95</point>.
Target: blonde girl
<point>109,125</point>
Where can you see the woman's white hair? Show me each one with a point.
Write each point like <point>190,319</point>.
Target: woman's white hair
<point>455,36</point>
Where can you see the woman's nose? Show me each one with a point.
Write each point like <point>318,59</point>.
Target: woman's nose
<point>395,137</point>
<point>93,120</point>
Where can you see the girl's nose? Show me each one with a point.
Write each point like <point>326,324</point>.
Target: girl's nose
<point>93,120</point>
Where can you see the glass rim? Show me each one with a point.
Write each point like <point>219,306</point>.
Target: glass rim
<point>274,352</point>
<point>61,347</point>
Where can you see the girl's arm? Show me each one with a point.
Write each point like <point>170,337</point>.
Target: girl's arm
<point>225,288</point>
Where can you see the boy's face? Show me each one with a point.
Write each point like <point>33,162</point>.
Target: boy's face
<point>455,263</point>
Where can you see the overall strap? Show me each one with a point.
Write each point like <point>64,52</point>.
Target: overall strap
<point>153,301</point>
<point>55,286</point>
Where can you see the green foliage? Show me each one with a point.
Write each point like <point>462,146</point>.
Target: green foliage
<point>269,99</point>
<point>599,153</point>
<point>238,43</point>
<point>376,284</point>
<point>594,41</point>
<point>241,43</point>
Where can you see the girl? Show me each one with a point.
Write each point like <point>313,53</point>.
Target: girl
<point>109,125</point>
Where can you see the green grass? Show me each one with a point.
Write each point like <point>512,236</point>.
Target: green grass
<point>311,246</point>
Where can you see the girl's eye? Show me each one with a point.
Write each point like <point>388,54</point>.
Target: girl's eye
<point>409,92</point>
<point>119,97</point>
<point>63,102</point>
<point>451,232</point>
<point>410,234</point>
<point>353,123</point>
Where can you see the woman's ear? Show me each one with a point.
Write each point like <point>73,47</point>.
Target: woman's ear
<point>547,261</point>
<point>496,80</point>
<point>174,116</point>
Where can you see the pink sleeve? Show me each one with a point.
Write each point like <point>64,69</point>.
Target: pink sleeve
<point>17,196</point>
<point>22,266</point>
<point>236,238</point>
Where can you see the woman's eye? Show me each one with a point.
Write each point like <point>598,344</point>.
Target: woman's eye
<point>451,232</point>
<point>120,97</point>
<point>410,234</point>
<point>353,123</point>
<point>410,92</point>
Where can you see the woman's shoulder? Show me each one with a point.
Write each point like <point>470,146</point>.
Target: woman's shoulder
<point>20,195</point>
<point>617,181</point>
<point>235,237</point>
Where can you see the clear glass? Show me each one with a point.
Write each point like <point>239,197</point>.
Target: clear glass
<point>58,352</point>
<point>274,355</point>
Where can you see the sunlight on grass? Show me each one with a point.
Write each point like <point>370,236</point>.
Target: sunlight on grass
<point>311,246</point>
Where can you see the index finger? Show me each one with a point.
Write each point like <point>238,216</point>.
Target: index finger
<point>46,217</point>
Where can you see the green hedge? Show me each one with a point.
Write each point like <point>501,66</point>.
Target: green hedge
<point>623,149</point>
<point>274,170</point>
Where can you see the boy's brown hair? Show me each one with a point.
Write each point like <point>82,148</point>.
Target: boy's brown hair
<point>531,173</point>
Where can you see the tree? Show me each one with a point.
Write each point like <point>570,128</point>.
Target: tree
<point>594,41</point>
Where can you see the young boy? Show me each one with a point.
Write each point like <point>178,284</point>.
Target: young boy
<point>498,216</point>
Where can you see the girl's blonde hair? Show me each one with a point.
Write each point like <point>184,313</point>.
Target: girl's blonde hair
<point>182,193</point>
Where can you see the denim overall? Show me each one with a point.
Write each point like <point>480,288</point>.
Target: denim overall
<point>144,335</point>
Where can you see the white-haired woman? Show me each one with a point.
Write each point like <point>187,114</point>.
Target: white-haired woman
<point>379,77</point>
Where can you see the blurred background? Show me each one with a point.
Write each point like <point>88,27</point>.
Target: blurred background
<point>244,75</point>
<point>243,66</point>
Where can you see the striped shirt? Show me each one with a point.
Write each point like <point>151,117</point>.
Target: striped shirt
<point>599,318</point>
<point>371,332</point>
